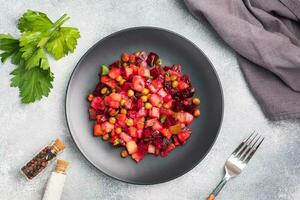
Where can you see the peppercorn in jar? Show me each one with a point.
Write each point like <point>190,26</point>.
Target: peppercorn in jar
<point>42,159</point>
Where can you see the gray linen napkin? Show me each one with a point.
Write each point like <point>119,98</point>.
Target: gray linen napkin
<point>266,35</point>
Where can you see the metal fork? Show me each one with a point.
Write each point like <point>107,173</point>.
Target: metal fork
<point>238,160</point>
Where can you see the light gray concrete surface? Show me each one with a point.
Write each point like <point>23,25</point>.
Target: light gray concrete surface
<point>274,173</point>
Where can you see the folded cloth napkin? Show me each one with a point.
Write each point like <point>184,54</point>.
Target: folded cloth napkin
<point>266,35</point>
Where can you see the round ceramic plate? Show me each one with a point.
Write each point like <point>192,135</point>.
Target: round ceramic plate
<point>172,49</point>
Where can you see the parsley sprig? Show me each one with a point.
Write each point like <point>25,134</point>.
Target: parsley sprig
<point>39,36</point>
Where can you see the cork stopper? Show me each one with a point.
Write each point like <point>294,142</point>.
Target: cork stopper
<point>58,146</point>
<point>61,166</point>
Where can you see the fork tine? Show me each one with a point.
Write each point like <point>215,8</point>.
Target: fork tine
<point>242,144</point>
<point>253,151</point>
<point>249,149</point>
<point>246,147</point>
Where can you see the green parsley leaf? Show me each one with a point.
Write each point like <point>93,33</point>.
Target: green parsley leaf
<point>33,83</point>
<point>63,41</point>
<point>33,51</point>
<point>39,35</point>
<point>34,21</point>
<point>10,48</point>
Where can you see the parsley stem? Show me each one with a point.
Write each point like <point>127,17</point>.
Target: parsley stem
<point>60,21</point>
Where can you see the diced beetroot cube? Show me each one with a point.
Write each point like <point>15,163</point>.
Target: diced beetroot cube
<point>125,87</point>
<point>137,156</point>
<point>116,63</point>
<point>188,118</point>
<point>128,72</point>
<point>150,122</point>
<point>147,132</point>
<point>174,73</point>
<point>182,85</point>
<point>97,90</point>
<point>101,118</point>
<point>113,100</point>
<point>157,83</point>
<point>114,72</point>
<point>155,72</point>
<point>169,104</point>
<point>138,83</point>
<point>139,104</point>
<point>143,64</point>
<point>162,93</point>
<point>180,116</point>
<point>97,103</point>
<point>121,117</point>
<point>186,102</point>
<point>151,149</point>
<point>128,104</point>
<point>157,125</point>
<point>167,98</point>
<point>185,78</point>
<point>166,132</point>
<point>183,136</point>
<point>134,68</point>
<point>176,140</point>
<point>112,112</point>
<point>114,104</point>
<point>139,122</point>
<point>158,143</point>
<point>131,114</point>
<point>132,58</point>
<point>157,151</point>
<point>152,58</point>
<point>177,68</point>
<point>142,112</point>
<point>144,72</point>
<point>107,99</point>
<point>98,130</point>
<point>109,82</point>
<point>152,88</point>
<point>165,111</point>
<point>131,147</point>
<point>104,79</point>
<point>154,112</point>
<point>92,113</point>
<point>125,137</point>
<point>139,133</point>
<point>167,150</point>
<point>115,96</point>
<point>177,106</point>
<point>170,121</point>
<point>143,147</point>
<point>113,133</point>
<point>107,127</point>
<point>155,99</point>
<point>167,68</point>
<point>184,117</point>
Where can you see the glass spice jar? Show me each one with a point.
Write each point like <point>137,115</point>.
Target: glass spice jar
<point>41,160</point>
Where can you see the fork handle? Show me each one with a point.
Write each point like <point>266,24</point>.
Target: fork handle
<point>219,187</point>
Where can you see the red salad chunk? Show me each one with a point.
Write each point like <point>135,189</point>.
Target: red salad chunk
<point>143,106</point>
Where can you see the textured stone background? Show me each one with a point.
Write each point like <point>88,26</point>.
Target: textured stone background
<point>274,173</point>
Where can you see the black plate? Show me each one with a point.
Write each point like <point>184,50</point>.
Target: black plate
<point>172,48</point>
